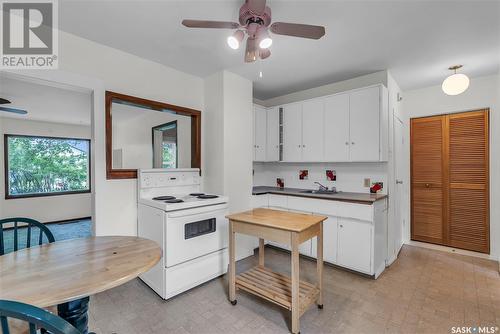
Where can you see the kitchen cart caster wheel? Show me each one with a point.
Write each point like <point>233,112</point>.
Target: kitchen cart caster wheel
<point>233,302</point>
<point>320,306</point>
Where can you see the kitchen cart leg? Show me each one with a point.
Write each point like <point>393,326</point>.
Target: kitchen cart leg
<point>319,265</point>
<point>232,265</point>
<point>261,252</point>
<point>295,284</point>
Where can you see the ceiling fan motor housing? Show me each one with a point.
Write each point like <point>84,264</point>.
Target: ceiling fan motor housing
<point>247,16</point>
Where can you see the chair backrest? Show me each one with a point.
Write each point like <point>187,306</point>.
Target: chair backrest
<point>35,317</point>
<point>23,231</point>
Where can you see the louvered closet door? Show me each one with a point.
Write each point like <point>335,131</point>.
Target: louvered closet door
<point>468,176</point>
<point>428,187</point>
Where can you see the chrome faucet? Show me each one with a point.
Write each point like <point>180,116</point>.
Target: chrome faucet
<point>321,187</point>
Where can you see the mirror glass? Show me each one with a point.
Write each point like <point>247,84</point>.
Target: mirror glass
<point>147,138</point>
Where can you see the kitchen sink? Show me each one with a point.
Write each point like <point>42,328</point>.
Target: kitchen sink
<point>320,192</point>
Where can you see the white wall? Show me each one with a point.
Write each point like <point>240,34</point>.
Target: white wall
<point>51,208</point>
<point>105,68</point>
<point>482,93</point>
<point>333,88</point>
<point>132,133</point>
<point>228,109</point>
<point>350,176</point>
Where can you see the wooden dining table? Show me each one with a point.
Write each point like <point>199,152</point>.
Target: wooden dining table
<point>65,273</point>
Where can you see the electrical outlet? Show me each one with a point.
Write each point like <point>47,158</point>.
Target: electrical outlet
<point>367,183</point>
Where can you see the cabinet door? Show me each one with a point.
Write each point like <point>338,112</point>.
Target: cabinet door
<point>292,132</point>
<point>273,140</point>
<point>365,124</point>
<point>330,241</point>
<point>337,128</point>
<point>312,130</point>
<point>305,247</point>
<point>260,133</point>
<point>354,245</point>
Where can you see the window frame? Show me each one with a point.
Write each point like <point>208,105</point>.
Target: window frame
<point>59,193</point>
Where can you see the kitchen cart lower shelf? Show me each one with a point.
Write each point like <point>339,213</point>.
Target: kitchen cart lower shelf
<point>276,288</point>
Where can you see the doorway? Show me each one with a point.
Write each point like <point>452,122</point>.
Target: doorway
<point>450,180</point>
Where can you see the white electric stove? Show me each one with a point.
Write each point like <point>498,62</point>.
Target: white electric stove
<point>188,224</point>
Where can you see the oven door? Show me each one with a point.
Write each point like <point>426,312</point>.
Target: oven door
<point>192,233</point>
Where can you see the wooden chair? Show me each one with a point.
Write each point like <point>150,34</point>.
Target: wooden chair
<point>32,318</point>
<point>27,223</point>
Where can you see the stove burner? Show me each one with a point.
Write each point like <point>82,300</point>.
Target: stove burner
<point>163,198</point>
<point>175,200</point>
<point>196,194</point>
<point>207,196</point>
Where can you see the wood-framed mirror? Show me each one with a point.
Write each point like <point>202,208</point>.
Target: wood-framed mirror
<point>142,133</point>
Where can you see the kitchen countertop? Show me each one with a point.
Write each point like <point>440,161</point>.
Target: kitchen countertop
<point>363,198</point>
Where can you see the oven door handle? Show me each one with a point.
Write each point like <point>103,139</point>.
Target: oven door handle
<point>185,213</point>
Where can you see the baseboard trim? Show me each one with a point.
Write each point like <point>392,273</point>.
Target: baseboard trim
<point>451,250</point>
<point>66,221</point>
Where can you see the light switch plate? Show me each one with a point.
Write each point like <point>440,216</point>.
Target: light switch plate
<point>367,183</point>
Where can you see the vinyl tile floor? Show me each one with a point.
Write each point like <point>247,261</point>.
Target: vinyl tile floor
<point>423,291</point>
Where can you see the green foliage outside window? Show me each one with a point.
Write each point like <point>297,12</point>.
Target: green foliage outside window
<point>42,165</point>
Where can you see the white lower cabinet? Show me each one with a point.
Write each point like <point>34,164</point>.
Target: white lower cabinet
<point>355,235</point>
<point>354,248</point>
<point>330,241</point>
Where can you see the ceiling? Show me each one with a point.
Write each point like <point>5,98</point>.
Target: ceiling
<point>45,103</point>
<point>416,40</point>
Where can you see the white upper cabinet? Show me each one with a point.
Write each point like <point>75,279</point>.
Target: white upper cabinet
<point>312,130</point>
<point>260,133</point>
<point>349,126</point>
<point>336,127</point>
<point>292,132</point>
<point>365,124</point>
<point>273,140</point>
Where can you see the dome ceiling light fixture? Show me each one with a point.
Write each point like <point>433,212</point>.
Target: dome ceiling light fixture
<point>457,83</point>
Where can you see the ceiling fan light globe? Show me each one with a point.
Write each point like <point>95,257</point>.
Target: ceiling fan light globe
<point>233,43</point>
<point>266,43</point>
<point>455,84</point>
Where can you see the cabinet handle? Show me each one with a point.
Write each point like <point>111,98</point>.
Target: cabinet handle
<point>341,225</point>
<point>399,181</point>
<point>347,143</point>
<point>299,146</point>
<point>427,185</point>
<point>352,143</point>
<point>303,145</point>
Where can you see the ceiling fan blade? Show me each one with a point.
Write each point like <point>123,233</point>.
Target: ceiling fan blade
<point>252,51</point>
<point>256,6</point>
<point>4,101</point>
<point>14,110</point>
<point>298,30</point>
<point>210,24</point>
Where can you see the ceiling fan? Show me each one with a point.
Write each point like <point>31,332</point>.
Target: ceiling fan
<point>255,22</point>
<point>12,110</point>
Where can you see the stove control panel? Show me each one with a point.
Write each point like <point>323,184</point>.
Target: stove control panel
<point>157,179</point>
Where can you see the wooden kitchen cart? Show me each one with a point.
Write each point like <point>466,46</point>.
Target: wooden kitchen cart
<point>285,228</point>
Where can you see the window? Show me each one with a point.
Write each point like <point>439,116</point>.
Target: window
<point>45,166</point>
<point>165,145</point>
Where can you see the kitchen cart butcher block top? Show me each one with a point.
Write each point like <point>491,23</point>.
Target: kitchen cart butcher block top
<point>360,198</point>
<point>293,222</point>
